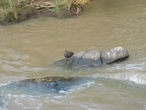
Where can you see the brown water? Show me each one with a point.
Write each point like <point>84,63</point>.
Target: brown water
<point>28,50</point>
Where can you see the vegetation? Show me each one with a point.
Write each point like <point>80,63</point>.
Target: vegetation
<point>13,10</point>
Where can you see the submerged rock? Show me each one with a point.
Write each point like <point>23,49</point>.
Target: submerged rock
<point>94,58</point>
<point>45,85</point>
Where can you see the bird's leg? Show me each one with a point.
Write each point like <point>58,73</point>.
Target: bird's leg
<point>69,60</point>
<point>65,61</point>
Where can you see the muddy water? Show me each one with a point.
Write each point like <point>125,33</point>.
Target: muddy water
<point>28,50</point>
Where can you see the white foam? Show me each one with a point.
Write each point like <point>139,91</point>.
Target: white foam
<point>129,72</point>
<point>4,84</point>
<point>3,105</point>
<point>88,108</point>
<point>129,67</point>
<point>63,92</point>
<point>83,86</point>
<point>138,78</point>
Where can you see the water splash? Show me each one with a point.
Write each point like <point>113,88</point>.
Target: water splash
<point>36,101</point>
<point>138,78</point>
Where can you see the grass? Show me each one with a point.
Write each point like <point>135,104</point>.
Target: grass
<point>9,9</point>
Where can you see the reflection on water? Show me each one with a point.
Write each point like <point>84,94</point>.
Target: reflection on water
<point>28,50</point>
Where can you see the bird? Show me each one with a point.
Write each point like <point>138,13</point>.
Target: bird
<point>68,54</point>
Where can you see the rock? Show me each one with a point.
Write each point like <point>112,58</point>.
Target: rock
<point>94,58</point>
<point>76,58</point>
<point>45,85</point>
<point>86,58</point>
<point>114,55</point>
<point>91,58</point>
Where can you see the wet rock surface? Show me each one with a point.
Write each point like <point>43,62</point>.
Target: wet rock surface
<point>114,55</point>
<point>45,85</point>
<point>86,58</point>
<point>94,58</point>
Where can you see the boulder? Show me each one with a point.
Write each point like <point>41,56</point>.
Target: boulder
<point>45,85</point>
<point>114,55</point>
<point>94,58</point>
<point>86,58</point>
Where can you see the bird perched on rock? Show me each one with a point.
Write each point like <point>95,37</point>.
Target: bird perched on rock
<point>68,54</point>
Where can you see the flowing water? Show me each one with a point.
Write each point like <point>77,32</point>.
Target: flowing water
<point>29,49</point>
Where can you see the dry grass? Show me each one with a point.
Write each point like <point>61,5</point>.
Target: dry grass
<point>80,2</point>
<point>11,8</point>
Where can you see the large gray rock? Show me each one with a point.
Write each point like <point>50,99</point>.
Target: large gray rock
<point>86,58</point>
<point>114,55</point>
<point>94,58</point>
<point>45,85</point>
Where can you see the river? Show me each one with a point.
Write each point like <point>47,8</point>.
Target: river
<point>29,49</point>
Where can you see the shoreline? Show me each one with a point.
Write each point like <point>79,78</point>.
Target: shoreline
<point>26,10</point>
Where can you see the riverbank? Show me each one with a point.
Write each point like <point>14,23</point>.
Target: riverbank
<point>14,11</point>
